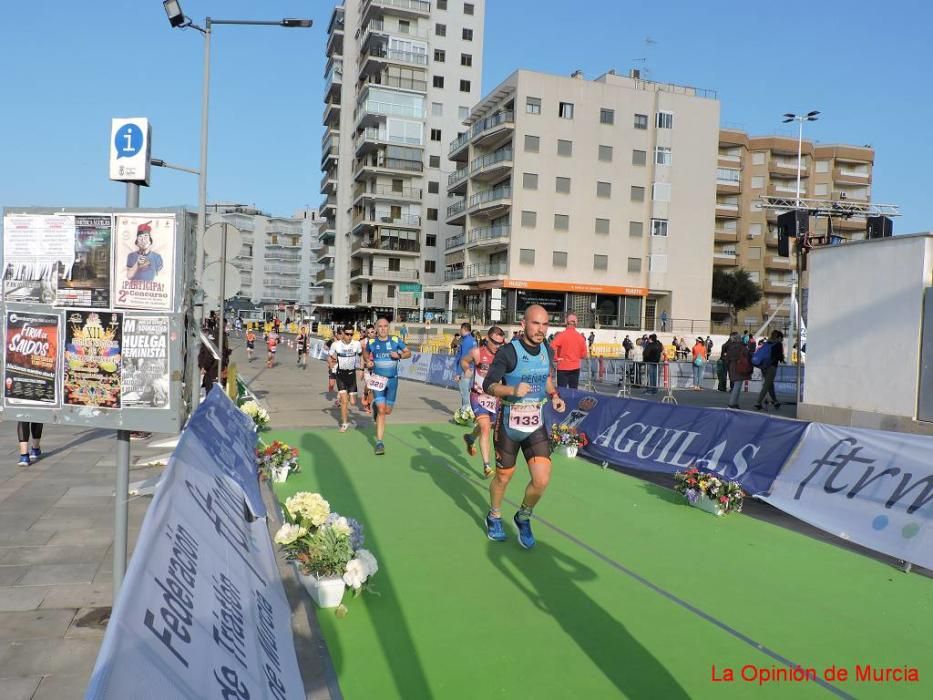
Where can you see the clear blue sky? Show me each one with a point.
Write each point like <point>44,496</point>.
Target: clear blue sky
<point>68,67</point>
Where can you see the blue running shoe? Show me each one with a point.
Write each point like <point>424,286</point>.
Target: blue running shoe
<point>35,454</point>
<point>24,462</point>
<point>525,538</point>
<point>470,444</point>
<point>494,529</point>
<point>380,448</point>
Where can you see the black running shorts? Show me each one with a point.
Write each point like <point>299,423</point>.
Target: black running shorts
<point>537,444</point>
<point>346,380</point>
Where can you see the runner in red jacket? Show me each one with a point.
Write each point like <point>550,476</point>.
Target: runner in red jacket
<point>569,348</point>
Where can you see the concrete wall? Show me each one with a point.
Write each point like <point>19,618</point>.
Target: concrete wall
<point>863,335</point>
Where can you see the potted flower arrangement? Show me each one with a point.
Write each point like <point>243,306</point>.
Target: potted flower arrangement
<point>257,413</point>
<point>326,547</point>
<point>277,461</point>
<point>709,492</point>
<point>567,439</point>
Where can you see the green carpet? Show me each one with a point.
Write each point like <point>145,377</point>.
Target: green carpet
<point>462,617</point>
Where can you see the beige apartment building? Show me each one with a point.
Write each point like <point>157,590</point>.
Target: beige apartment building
<point>592,196</point>
<point>401,77</point>
<point>746,235</point>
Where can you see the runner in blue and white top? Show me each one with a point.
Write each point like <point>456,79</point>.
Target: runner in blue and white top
<point>382,356</point>
<point>520,376</point>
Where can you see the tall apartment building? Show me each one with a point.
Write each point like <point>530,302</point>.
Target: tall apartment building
<point>746,235</point>
<point>401,76</point>
<point>592,196</point>
<point>278,256</point>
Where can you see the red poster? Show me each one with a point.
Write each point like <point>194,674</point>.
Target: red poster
<point>31,358</point>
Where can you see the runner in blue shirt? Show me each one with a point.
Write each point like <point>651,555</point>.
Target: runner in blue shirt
<point>382,355</point>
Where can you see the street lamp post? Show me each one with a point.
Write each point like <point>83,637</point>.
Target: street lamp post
<point>796,292</point>
<point>178,19</point>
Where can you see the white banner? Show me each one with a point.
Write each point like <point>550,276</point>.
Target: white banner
<point>415,368</point>
<point>202,612</point>
<point>868,486</point>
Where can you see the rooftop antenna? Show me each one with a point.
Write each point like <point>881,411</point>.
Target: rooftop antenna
<point>645,71</point>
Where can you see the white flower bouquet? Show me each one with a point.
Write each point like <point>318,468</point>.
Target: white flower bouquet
<point>257,413</point>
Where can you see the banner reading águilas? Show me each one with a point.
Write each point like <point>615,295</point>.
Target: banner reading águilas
<point>145,362</point>
<point>143,262</point>
<point>92,359</point>
<point>31,358</point>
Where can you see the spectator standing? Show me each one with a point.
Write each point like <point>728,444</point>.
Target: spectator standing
<point>699,362</point>
<point>709,347</point>
<point>739,365</point>
<point>590,340</point>
<point>25,431</point>
<point>769,369</point>
<point>651,354</point>
<point>627,346</point>
<point>664,318</point>
<point>464,378</point>
<point>569,349</point>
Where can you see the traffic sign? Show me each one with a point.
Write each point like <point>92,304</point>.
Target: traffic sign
<point>213,240</point>
<point>130,148</point>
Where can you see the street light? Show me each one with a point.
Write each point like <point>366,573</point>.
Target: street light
<point>796,293</point>
<point>177,18</point>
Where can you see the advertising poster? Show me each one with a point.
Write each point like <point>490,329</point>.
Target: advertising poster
<point>145,362</point>
<point>143,261</point>
<point>88,284</point>
<point>31,358</point>
<point>37,249</point>
<point>92,360</point>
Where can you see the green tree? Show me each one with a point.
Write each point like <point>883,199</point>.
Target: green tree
<point>737,289</point>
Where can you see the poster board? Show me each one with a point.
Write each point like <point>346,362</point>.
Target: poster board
<point>97,317</point>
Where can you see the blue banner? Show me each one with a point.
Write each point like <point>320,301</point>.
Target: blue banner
<point>738,446</point>
<point>442,371</point>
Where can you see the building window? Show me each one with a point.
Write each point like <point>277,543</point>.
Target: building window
<point>605,154</point>
<point>659,227</point>
<point>529,181</point>
<point>638,194</point>
<point>661,192</point>
<point>463,112</point>
<point>404,26</point>
<point>435,134</point>
<point>607,116</point>
<point>634,264</point>
<point>559,258</point>
<point>820,189</point>
<point>429,266</point>
<point>529,219</point>
<point>526,256</point>
<point>604,190</point>
<point>758,158</point>
<point>662,155</point>
<point>468,8</point>
<point>434,161</point>
<point>467,34</point>
<point>395,264</point>
<point>434,187</point>
<point>466,59</point>
<point>533,105</point>
<point>532,144</point>
<point>464,86</point>
<point>390,291</point>
<point>562,185</point>
<point>438,81</point>
<point>754,230</point>
<point>564,148</point>
<point>602,226</point>
<point>822,166</point>
<point>430,239</point>
<point>639,157</point>
<point>441,4</point>
<point>758,182</point>
<point>273,240</point>
<point>641,121</point>
<point>600,262</point>
<point>561,222</point>
<point>432,214</point>
<point>565,110</point>
<point>440,29</point>
<point>437,109</point>
<point>665,120</point>
<point>636,229</point>
<point>440,55</point>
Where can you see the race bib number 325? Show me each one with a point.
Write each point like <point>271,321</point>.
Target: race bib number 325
<point>377,383</point>
<point>525,418</point>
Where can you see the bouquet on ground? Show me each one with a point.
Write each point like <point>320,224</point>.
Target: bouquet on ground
<point>695,484</point>
<point>325,544</point>
<point>567,436</point>
<point>257,413</point>
<point>277,461</point>
<point>464,416</point>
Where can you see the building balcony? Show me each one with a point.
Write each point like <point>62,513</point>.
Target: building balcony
<point>368,220</point>
<point>328,206</point>
<point>401,300</point>
<point>855,223</point>
<point>379,244</point>
<point>333,79</point>
<point>724,236</point>
<point>842,174</point>
<point>492,128</point>
<point>377,56</point>
<point>371,112</point>
<point>856,195</point>
<point>402,8</point>
<point>387,166</point>
<point>491,202</point>
<point>487,270</point>
<point>728,187</point>
<point>492,166</point>
<point>459,147</point>
<point>327,235</point>
<point>776,287</point>
<point>383,273</point>
<point>452,275</point>
<point>727,161</point>
<point>369,191</point>
<point>335,40</point>
<point>455,242</point>
<point>327,251</point>
<point>786,189</point>
<point>326,274</point>
<point>725,259</point>
<point>489,236</point>
<point>771,240</point>
<point>329,183</point>
<point>727,211</point>
<point>378,28</point>
<point>786,168</point>
<point>776,262</point>
<point>456,213</point>
<point>457,181</point>
<point>330,149</point>
<point>332,113</point>
<point>372,138</point>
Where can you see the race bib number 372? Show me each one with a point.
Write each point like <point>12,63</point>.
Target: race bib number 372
<point>525,418</point>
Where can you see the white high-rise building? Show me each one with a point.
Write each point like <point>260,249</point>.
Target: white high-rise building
<point>401,77</point>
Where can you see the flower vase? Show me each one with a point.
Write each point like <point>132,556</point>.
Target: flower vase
<point>326,592</point>
<point>569,451</point>
<point>279,475</point>
<point>709,505</point>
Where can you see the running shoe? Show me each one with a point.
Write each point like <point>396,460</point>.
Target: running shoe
<point>380,447</point>
<point>487,471</point>
<point>35,454</point>
<point>23,461</point>
<point>470,444</point>
<point>494,529</point>
<point>343,427</point>
<point>525,537</point>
